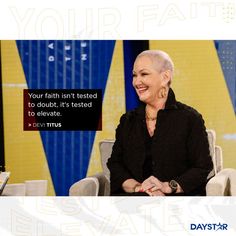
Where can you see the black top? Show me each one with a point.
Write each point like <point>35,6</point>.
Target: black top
<point>147,165</point>
<point>179,148</point>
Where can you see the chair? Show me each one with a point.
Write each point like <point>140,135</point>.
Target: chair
<point>28,188</point>
<point>85,187</point>
<point>222,181</point>
<point>222,184</point>
<point>36,187</point>
<point>14,190</point>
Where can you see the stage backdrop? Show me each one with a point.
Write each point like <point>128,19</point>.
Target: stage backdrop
<point>204,78</point>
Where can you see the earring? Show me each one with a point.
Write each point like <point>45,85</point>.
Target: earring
<point>163,92</point>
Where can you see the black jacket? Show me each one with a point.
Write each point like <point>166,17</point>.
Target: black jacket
<point>179,150</point>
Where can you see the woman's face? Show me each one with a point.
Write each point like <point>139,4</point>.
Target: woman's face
<point>147,81</point>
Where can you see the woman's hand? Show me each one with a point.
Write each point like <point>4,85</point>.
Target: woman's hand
<point>131,186</point>
<point>154,187</point>
<point>152,184</point>
<point>155,193</point>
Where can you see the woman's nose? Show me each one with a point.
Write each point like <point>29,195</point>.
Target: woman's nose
<point>137,79</point>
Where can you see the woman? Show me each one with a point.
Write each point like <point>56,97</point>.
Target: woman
<point>161,147</point>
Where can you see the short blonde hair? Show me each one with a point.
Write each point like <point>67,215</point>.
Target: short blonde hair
<point>161,59</point>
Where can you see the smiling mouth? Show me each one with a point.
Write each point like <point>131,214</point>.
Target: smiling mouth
<point>141,89</point>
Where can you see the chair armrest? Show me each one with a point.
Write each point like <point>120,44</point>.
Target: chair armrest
<point>104,184</point>
<point>222,184</point>
<point>85,187</point>
<point>232,178</point>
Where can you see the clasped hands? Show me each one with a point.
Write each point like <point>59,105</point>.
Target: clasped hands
<point>152,186</point>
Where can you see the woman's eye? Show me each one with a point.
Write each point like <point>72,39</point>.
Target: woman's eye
<point>134,75</point>
<point>144,74</point>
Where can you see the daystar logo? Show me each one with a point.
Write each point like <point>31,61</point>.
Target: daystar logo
<point>215,227</point>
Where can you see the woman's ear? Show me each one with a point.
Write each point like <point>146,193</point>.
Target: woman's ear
<point>166,75</point>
